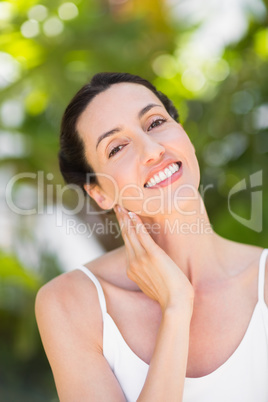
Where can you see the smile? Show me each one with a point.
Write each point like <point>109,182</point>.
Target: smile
<point>164,174</point>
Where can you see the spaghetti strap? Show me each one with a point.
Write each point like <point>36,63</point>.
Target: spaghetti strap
<point>261,281</point>
<point>98,287</point>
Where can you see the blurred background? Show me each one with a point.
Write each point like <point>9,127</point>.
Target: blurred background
<point>209,57</point>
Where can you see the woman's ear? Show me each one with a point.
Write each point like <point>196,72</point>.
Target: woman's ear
<point>99,196</point>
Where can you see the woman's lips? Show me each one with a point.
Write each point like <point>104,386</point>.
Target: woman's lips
<point>169,180</point>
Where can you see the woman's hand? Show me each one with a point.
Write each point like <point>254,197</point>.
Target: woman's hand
<point>151,268</point>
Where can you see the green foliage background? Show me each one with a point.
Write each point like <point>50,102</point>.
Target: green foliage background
<point>50,54</point>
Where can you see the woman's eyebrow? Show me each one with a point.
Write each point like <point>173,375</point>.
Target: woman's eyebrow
<point>117,129</point>
<point>107,134</point>
<point>146,109</point>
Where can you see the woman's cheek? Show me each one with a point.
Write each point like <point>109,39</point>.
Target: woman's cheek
<point>131,197</point>
<point>109,186</point>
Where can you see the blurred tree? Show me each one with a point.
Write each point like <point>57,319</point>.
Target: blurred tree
<point>47,51</point>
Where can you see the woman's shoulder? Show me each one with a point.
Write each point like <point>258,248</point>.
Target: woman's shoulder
<point>73,285</point>
<point>242,264</point>
<point>70,293</point>
<point>69,305</point>
<point>250,258</point>
<point>241,256</point>
<point>67,302</point>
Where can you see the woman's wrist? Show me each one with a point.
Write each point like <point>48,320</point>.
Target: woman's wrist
<point>179,309</point>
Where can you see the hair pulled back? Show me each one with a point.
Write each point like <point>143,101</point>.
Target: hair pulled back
<point>72,160</point>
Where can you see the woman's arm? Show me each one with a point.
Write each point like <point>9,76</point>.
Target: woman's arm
<point>161,279</point>
<point>70,323</point>
<point>167,370</point>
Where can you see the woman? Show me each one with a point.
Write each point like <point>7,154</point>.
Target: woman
<point>176,314</point>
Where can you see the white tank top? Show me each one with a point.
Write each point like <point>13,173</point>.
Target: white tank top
<point>243,377</point>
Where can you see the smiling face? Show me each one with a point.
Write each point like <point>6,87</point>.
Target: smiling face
<point>137,150</point>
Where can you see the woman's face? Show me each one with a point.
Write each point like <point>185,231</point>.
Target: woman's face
<point>142,157</point>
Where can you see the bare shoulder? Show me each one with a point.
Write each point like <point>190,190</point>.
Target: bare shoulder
<point>70,323</point>
<point>266,280</point>
<point>71,298</point>
<point>252,255</point>
<point>74,285</point>
<point>240,256</point>
<point>244,261</point>
<point>255,254</point>
<point>68,303</point>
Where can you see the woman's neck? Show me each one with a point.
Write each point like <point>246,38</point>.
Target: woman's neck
<point>188,238</point>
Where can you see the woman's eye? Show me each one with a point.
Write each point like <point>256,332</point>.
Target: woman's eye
<point>156,123</point>
<point>115,150</point>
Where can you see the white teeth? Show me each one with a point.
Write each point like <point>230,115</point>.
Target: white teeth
<point>163,175</point>
<point>157,178</point>
<point>152,182</point>
<point>168,172</point>
<point>172,168</point>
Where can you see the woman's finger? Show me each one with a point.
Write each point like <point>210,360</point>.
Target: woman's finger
<point>122,224</point>
<point>132,236</point>
<point>132,243</point>
<point>142,234</point>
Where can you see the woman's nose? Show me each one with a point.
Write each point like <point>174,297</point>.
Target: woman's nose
<point>152,151</point>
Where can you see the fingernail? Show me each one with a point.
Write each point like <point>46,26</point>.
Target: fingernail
<point>119,208</point>
<point>132,215</point>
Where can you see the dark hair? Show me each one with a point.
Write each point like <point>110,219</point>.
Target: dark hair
<point>73,164</point>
